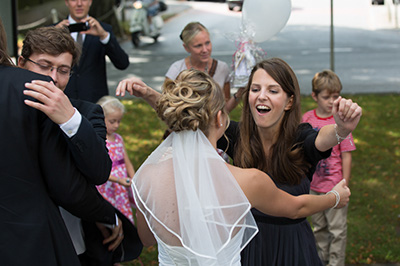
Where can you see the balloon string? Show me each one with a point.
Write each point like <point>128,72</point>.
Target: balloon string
<point>245,44</point>
<point>241,45</point>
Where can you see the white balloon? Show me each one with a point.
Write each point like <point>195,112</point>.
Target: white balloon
<point>265,18</point>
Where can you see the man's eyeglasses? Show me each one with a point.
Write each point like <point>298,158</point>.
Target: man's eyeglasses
<point>62,70</point>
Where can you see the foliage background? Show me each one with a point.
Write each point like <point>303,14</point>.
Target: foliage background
<point>373,218</point>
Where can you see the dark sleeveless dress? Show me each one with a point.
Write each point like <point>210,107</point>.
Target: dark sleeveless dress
<point>282,241</point>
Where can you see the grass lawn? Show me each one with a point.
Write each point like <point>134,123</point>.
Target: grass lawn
<point>374,210</point>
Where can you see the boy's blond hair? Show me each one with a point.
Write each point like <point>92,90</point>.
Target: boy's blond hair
<point>326,80</point>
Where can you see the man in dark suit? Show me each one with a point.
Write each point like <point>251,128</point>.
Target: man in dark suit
<point>37,173</point>
<point>52,51</point>
<point>81,121</point>
<point>89,79</point>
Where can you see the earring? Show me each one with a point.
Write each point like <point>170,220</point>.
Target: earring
<point>221,124</point>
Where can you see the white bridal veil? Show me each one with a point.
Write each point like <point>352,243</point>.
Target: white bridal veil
<point>192,203</point>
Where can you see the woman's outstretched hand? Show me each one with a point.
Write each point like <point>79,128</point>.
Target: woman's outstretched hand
<point>134,86</point>
<point>138,88</point>
<point>347,114</point>
<point>344,193</point>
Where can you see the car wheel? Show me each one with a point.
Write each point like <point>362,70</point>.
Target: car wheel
<point>135,39</point>
<point>155,38</point>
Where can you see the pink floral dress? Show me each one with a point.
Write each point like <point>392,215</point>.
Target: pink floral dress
<point>115,193</point>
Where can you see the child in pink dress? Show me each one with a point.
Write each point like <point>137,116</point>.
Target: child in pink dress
<point>117,189</point>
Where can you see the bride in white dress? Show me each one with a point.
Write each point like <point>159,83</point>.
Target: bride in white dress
<point>190,201</point>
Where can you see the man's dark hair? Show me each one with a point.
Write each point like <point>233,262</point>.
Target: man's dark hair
<point>50,40</point>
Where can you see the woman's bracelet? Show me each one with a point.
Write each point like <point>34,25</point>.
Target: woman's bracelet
<point>337,197</point>
<point>339,138</point>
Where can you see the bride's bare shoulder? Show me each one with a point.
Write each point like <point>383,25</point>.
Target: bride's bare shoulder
<point>249,176</point>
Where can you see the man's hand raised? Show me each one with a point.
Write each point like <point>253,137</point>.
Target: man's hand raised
<point>51,100</point>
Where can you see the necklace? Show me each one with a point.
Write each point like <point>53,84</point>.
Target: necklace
<point>191,65</point>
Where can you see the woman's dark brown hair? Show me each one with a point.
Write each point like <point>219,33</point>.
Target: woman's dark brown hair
<point>4,57</point>
<point>285,162</point>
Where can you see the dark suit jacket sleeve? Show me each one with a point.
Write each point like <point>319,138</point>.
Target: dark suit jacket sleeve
<point>66,184</point>
<point>88,145</point>
<point>114,51</point>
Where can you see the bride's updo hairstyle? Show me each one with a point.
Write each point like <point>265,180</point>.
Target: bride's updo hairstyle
<point>190,102</point>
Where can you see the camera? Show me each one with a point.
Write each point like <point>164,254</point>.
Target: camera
<point>81,26</point>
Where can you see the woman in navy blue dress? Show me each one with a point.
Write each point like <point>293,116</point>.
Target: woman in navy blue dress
<point>270,137</point>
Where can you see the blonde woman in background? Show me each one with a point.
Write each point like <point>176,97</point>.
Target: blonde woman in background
<point>196,41</point>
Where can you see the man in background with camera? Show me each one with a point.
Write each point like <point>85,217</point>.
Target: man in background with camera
<point>89,79</point>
